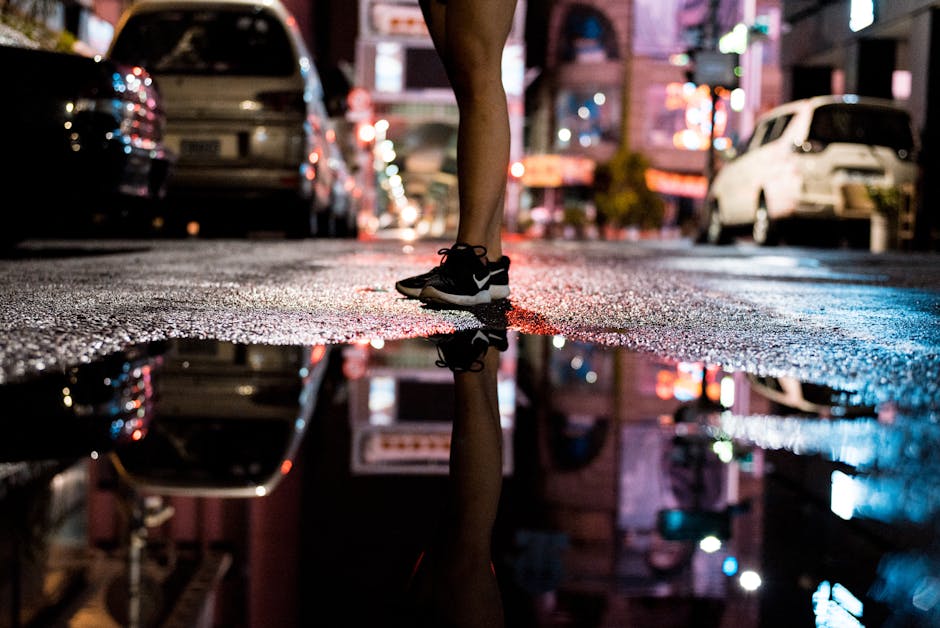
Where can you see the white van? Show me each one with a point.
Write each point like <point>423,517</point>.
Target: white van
<point>803,161</point>
<point>244,102</point>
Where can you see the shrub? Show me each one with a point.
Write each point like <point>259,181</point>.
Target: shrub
<point>622,196</point>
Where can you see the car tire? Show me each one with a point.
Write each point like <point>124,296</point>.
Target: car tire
<point>300,220</point>
<point>764,232</point>
<point>715,231</point>
<point>326,223</point>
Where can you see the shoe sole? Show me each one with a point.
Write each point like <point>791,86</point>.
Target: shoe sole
<point>499,292</point>
<point>432,294</point>
<point>412,293</point>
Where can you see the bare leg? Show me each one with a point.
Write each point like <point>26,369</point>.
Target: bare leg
<point>469,36</point>
<point>455,583</point>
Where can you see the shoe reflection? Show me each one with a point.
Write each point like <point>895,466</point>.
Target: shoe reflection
<point>454,582</point>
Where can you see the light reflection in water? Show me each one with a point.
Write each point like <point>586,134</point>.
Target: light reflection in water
<point>892,478</point>
<point>896,462</point>
<point>617,443</point>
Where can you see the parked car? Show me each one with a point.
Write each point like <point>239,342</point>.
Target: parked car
<point>81,136</point>
<point>74,411</point>
<point>245,104</point>
<point>346,200</point>
<point>229,419</point>
<point>805,159</point>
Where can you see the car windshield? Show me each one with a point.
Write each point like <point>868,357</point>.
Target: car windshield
<point>861,124</point>
<point>240,42</point>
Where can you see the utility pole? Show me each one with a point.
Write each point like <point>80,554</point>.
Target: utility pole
<point>710,43</point>
<point>627,77</point>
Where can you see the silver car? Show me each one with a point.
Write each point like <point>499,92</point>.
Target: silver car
<point>244,102</point>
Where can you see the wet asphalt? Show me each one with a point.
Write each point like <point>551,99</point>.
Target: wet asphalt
<point>849,319</point>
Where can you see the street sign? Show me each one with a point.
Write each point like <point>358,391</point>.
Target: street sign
<point>715,69</point>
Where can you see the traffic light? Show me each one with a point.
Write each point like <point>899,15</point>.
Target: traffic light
<point>760,29</point>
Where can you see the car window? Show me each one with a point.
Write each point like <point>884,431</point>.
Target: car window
<point>241,42</point>
<point>757,137</point>
<point>862,124</point>
<point>776,128</point>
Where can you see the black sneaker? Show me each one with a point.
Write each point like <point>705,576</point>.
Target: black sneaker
<point>412,286</point>
<point>463,351</point>
<point>463,278</point>
<point>499,278</point>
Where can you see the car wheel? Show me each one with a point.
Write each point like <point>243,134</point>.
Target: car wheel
<point>764,231</point>
<point>715,232</point>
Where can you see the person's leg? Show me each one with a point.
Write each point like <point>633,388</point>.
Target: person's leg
<point>474,37</point>
<point>469,36</point>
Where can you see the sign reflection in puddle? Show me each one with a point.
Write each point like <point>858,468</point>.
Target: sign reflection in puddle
<point>618,487</point>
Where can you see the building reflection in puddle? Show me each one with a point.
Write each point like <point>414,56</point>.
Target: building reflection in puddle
<point>361,485</point>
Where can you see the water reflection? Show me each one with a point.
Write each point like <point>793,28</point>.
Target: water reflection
<point>229,422</point>
<point>454,580</point>
<point>481,476</point>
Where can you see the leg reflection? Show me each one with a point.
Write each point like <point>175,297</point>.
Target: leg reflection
<point>454,583</point>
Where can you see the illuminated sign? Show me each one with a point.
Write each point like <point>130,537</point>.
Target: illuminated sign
<point>676,184</point>
<point>398,19</point>
<point>861,14</point>
<point>389,67</point>
<point>552,171</point>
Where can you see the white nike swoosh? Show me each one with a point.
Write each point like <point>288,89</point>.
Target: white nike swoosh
<point>480,282</point>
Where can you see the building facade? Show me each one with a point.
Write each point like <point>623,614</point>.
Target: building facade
<point>621,76</point>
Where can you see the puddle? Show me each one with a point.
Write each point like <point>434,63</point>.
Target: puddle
<point>345,484</point>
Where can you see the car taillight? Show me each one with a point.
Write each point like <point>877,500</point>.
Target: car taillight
<point>117,108</point>
<point>289,101</point>
<point>809,146</point>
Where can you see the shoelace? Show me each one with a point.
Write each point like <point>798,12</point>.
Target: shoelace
<point>446,251</point>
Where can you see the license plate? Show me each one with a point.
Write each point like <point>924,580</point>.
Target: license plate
<point>864,176</point>
<point>200,148</point>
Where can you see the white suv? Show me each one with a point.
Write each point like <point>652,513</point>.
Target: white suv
<point>244,102</point>
<point>803,159</point>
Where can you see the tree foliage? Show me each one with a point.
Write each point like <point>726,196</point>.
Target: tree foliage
<point>621,194</point>
<point>30,17</point>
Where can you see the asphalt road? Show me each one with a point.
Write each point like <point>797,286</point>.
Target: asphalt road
<point>848,319</point>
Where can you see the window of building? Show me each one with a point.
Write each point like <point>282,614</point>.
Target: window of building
<point>588,36</point>
<point>587,117</point>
